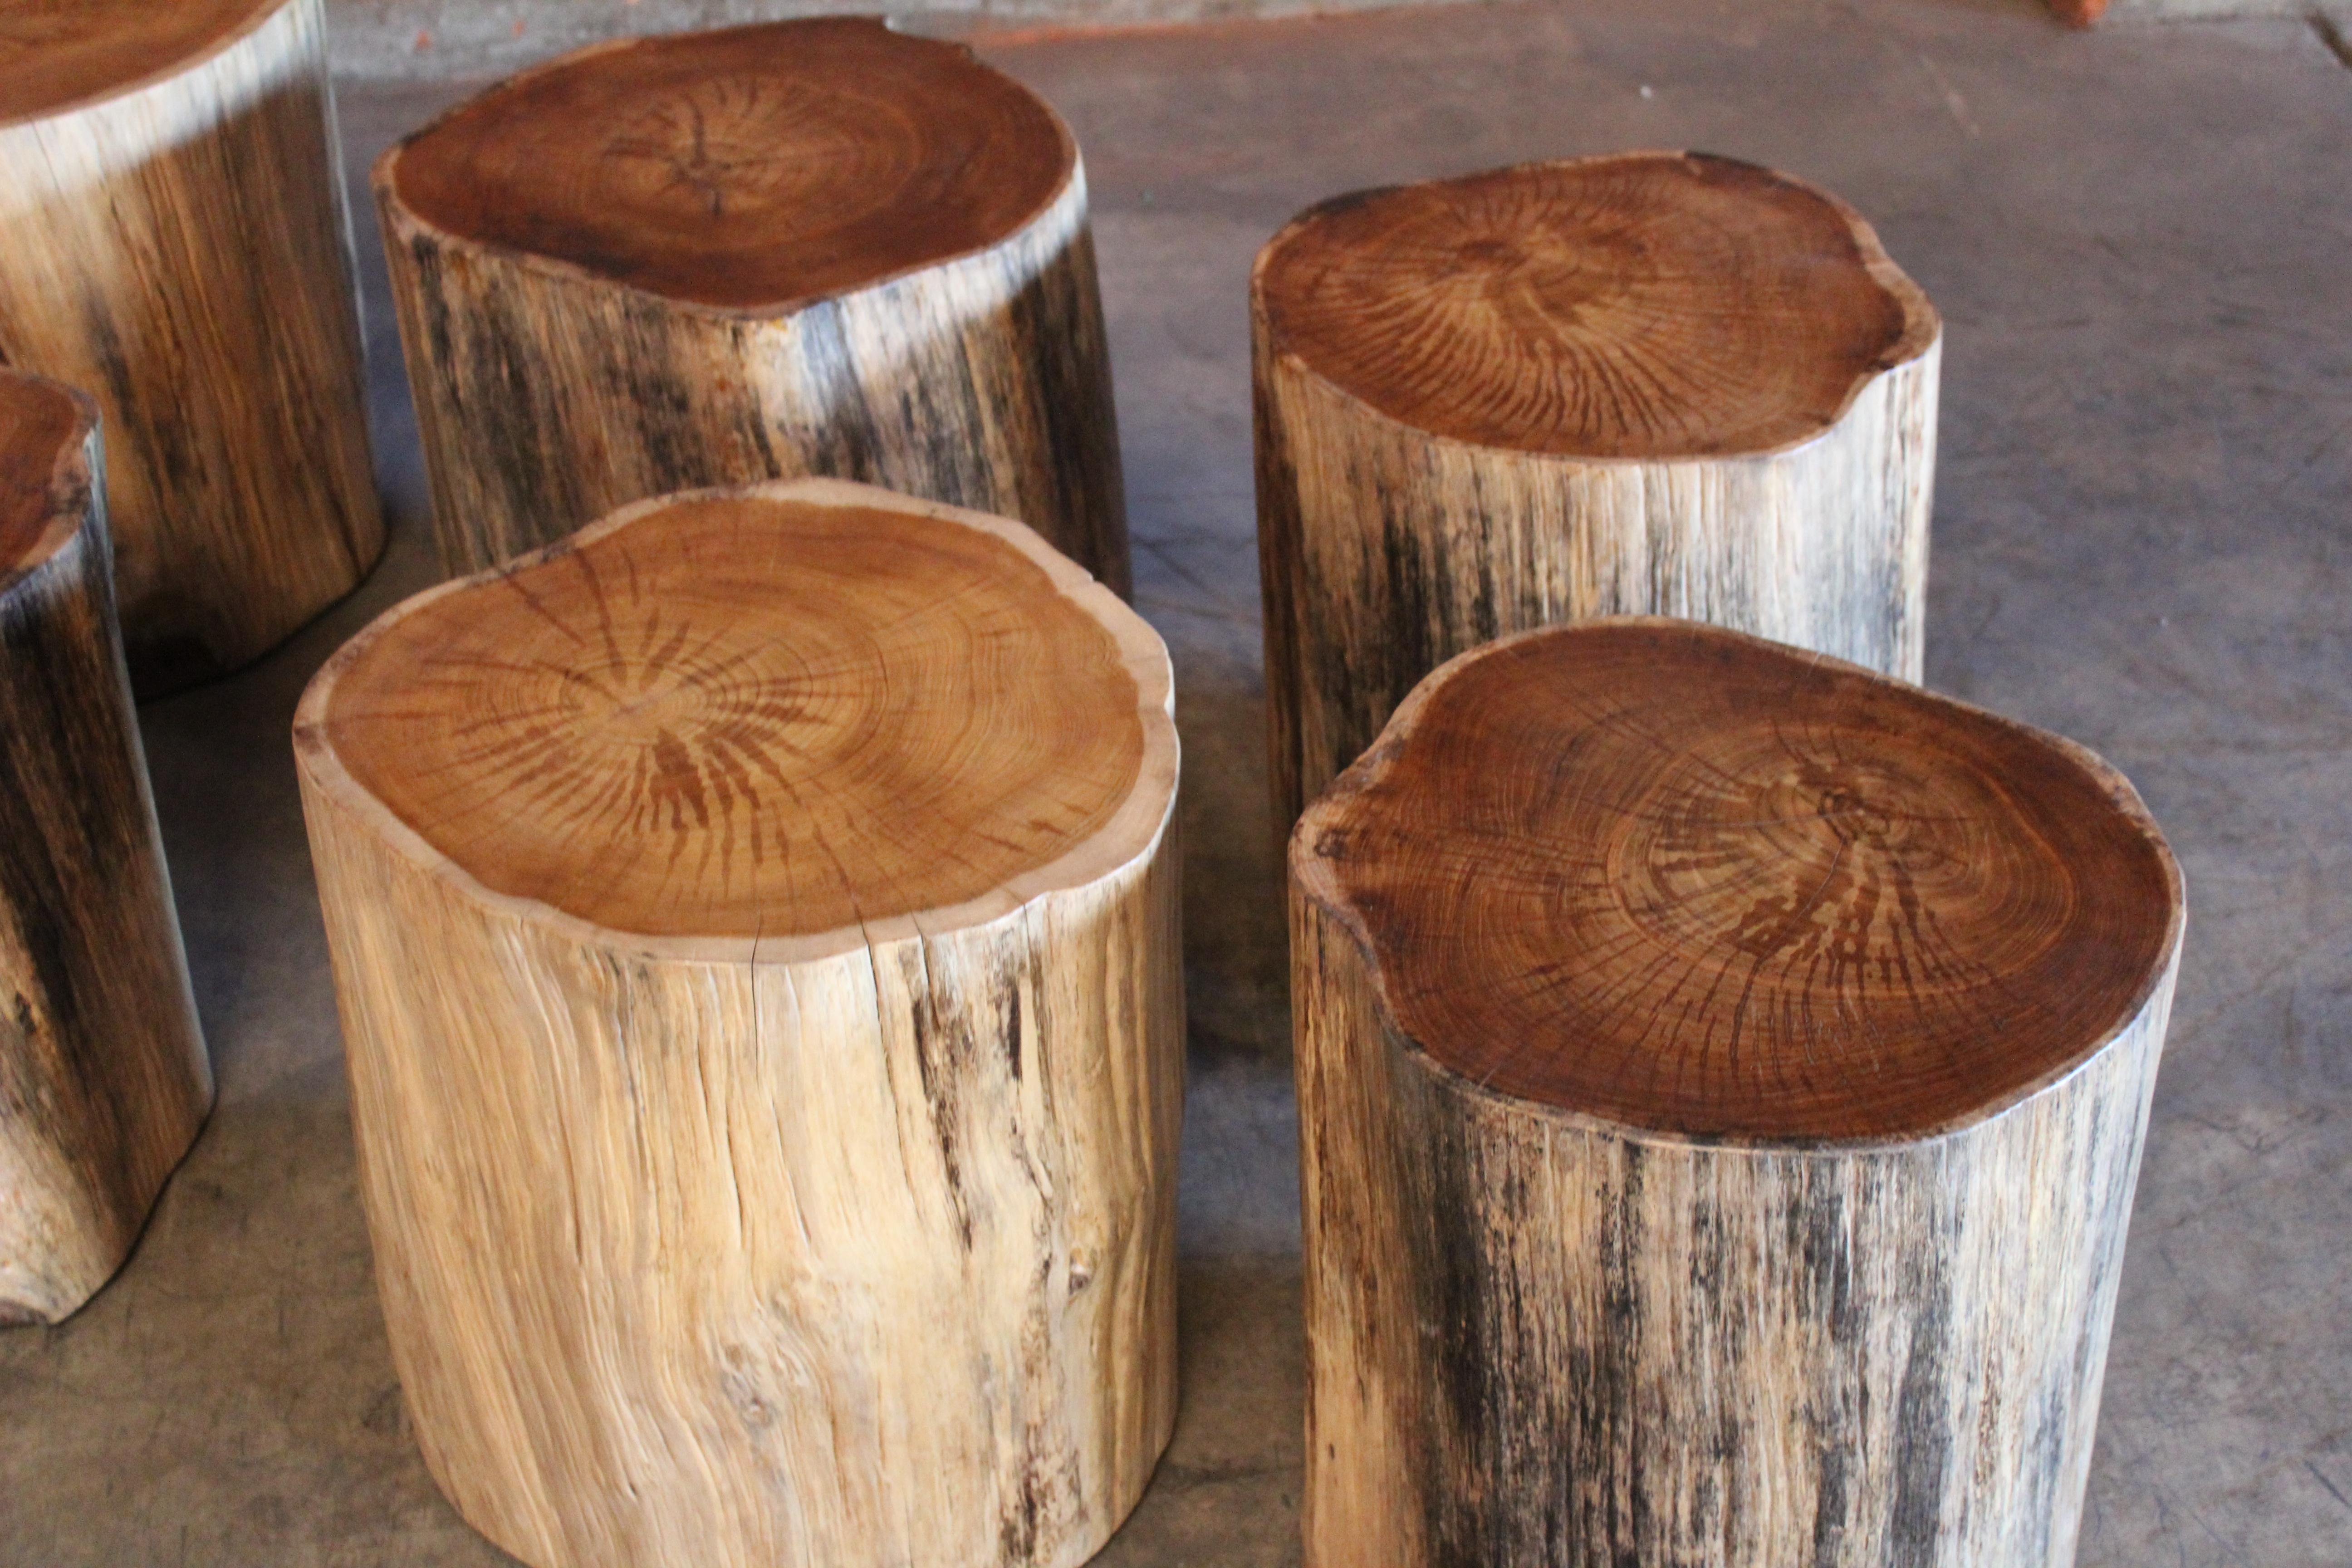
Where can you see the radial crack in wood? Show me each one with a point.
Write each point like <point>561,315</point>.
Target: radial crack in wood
<point>1723,1072</point>
<point>808,247</point>
<point>1654,383</point>
<point>755,926</point>
<point>104,1077</point>
<point>178,245</point>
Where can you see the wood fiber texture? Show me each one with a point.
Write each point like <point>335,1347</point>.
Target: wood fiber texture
<point>178,245</point>
<point>103,1077</point>
<point>1653,383</point>
<point>793,1181</point>
<point>813,247</point>
<point>1653,1278</point>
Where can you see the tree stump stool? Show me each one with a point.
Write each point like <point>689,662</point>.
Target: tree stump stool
<point>755,921</point>
<point>1659,384</point>
<point>808,247</point>
<point>103,1077</point>
<point>177,244</point>
<point>1722,1073</point>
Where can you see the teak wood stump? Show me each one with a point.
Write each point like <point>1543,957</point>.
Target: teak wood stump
<point>807,247</point>
<point>1722,1076</point>
<point>755,923</point>
<point>1657,383</point>
<point>104,1077</point>
<point>174,240</point>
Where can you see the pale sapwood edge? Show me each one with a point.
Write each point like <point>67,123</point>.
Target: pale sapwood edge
<point>104,1080</point>
<point>181,249</point>
<point>1537,1336</point>
<point>1385,550</point>
<point>851,1247</point>
<point>547,396</point>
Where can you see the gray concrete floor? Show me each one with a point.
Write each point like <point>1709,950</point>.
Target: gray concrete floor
<point>2141,242</point>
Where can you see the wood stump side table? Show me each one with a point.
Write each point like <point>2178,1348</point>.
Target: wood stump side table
<point>177,245</point>
<point>755,922</point>
<point>103,1077</point>
<point>805,247</point>
<point>1657,384</point>
<point>1723,1072</point>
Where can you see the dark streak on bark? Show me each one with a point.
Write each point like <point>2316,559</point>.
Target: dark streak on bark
<point>1281,578</point>
<point>1923,1436</point>
<point>1462,1286</point>
<point>663,396</point>
<point>943,1058</point>
<point>844,448</point>
<point>1009,1029</point>
<point>1057,322</point>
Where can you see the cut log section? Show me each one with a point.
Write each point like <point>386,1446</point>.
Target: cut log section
<point>1722,1073</point>
<point>178,245</point>
<point>1659,384</point>
<point>104,1077</point>
<point>808,247</point>
<point>755,921</point>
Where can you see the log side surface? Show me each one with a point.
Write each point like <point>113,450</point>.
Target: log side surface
<point>1653,383</point>
<point>178,245</point>
<point>104,1077</point>
<point>817,246</point>
<point>755,927</point>
<point>1723,1072</point>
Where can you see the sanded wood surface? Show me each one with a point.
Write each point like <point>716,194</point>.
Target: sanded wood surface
<point>807,247</point>
<point>1723,1073</point>
<point>178,245</point>
<point>1655,383</point>
<point>103,1077</point>
<point>755,926</point>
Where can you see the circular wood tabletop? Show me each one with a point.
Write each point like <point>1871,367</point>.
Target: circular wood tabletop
<point>745,714</point>
<point>752,168</point>
<point>1644,306</point>
<point>1683,879</point>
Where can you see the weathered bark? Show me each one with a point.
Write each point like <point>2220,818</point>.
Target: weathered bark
<point>755,926</point>
<point>810,247</point>
<point>1723,1073</point>
<point>1657,384</point>
<point>178,245</point>
<point>103,1077</point>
